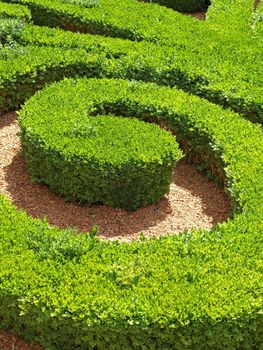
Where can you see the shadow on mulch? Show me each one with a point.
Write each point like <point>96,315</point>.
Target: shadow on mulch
<point>38,201</point>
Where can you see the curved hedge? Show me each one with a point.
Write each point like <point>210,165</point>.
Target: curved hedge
<point>222,65</point>
<point>200,290</point>
<point>121,162</point>
<point>69,291</point>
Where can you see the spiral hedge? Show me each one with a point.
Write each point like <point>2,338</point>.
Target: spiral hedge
<point>121,162</point>
<point>199,290</point>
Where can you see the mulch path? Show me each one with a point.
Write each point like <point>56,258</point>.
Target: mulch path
<point>193,201</point>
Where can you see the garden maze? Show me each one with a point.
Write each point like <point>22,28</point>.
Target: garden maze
<point>99,70</point>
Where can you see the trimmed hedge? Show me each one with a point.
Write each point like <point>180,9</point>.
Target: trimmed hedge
<point>121,162</point>
<point>201,290</point>
<point>206,59</point>
<point>129,60</point>
<point>82,3</point>
<point>14,11</point>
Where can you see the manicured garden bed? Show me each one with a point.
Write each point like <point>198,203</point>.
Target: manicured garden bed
<point>199,290</point>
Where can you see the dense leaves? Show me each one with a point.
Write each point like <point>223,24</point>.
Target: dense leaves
<point>121,162</point>
<point>200,290</point>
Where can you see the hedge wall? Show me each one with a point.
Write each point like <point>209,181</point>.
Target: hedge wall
<point>184,6</point>
<point>221,65</point>
<point>200,290</point>
<point>120,162</point>
<point>134,61</point>
<point>46,273</point>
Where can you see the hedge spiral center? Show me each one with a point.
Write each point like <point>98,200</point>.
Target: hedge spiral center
<point>122,162</point>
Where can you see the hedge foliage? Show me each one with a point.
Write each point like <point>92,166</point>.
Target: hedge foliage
<point>14,11</point>
<point>222,65</point>
<point>200,290</point>
<point>143,61</point>
<point>127,291</point>
<point>82,3</point>
<point>121,162</point>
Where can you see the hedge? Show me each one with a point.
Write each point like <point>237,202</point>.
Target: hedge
<point>120,162</point>
<point>207,60</point>
<point>14,11</point>
<point>131,60</point>
<point>82,3</point>
<point>200,290</point>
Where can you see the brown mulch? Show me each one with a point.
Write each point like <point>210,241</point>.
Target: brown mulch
<point>193,201</point>
<point>199,15</point>
<point>10,341</point>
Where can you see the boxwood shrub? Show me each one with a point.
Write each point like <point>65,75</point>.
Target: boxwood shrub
<point>200,290</point>
<point>27,71</point>
<point>121,162</point>
<point>204,58</point>
<point>14,11</point>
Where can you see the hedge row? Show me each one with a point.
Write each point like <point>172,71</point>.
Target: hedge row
<point>234,14</point>
<point>120,162</point>
<point>82,3</point>
<point>162,65</point>
<point>149,22</point>
<point>201,290</point>
<point>226,66</point>
<point>14,11</point>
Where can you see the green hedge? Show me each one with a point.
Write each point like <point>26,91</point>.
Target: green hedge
<point>184,5</point>
<point>200,290</point>
<point>82,3</point>
<point>214,61</point>
<point>14,11</point>
<point>120,58</point>
<point>121,162</point>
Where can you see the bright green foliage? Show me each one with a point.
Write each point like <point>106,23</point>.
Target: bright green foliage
<point>219,62</point>
<point>121,58</point>
<point>14,11</point>
<point>121,162</point>
<point>82,3</point>
<point>201,290</point>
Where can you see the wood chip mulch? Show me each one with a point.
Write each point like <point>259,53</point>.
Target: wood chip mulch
<point>10,341</point>
<point>193,201</point>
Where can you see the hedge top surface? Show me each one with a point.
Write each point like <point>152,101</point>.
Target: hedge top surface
<point>210,282</point>
<point>66,128</point>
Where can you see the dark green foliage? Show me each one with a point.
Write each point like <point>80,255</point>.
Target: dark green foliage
<point>184,5</point>
<point>121,162</point>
